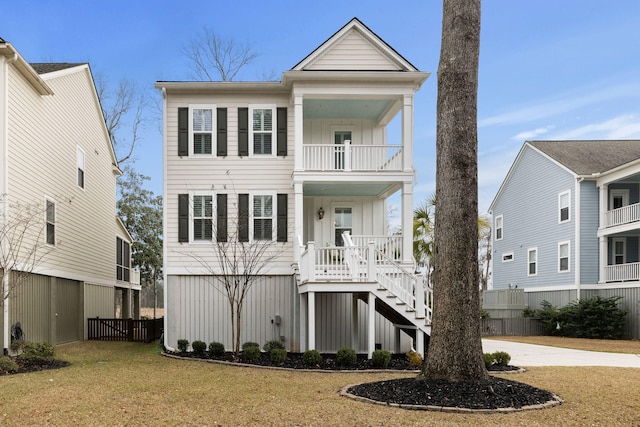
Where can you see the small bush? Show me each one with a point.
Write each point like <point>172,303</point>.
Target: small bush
<point>415,359</point>
<point>38,351</point>
<point>216,349</point>
<point>381,358</point>
<point>484,314</point>
<point>17,346</point>
<point>346,356</point>
<point>183,345</point>
<point>199,347</point>
<point>8,365</point>
<point>278,355</point>
<point>489,360</point>
<point>501,358</point>
<point>312,358</point>
<point>270,345</point>
<point>250,344</point>
<point>250,351</point>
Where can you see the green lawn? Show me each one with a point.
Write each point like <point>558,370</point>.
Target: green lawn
<point>110,384</point>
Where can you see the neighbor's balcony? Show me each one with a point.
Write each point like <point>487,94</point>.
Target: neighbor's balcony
<point>347,157</point>
<point>624,215</point>
<point>622,272</point>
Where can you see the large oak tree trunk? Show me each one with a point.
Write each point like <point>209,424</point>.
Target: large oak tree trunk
<point>455,347</point>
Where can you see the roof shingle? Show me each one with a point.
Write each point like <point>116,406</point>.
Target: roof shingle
<point>50,67</point>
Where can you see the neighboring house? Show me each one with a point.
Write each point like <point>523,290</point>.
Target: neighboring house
<point>567,224</point>
<point>56,157</point>
<point>317,149</point>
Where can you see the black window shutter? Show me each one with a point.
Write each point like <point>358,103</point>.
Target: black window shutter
<point>243,217</point>
<point>183,217</point>
<point>221,223</point>
<point>221,138</point>
<point>282,131</point>
<point>183,131</point>
<point>243,132</point>
<point>282,217</point>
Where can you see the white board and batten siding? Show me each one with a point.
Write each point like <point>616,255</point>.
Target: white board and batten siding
<point>44,135</point>
<point>528,204</point>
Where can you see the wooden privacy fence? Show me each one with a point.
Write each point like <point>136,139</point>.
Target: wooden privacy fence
<point>518,326</point>
<point>125,329</point>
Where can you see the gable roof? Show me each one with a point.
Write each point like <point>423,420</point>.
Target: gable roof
<point>590,157</point>
<point>354,47</point>
<point>50,67</point>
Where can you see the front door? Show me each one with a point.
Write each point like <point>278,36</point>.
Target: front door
<point>619,198</point>
<point>339,137</point>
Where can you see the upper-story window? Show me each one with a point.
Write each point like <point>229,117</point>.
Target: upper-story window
<point>499,227</point>
<point>564,203</point>
<point>201,132</point>
<point>262,134</point>
<point>50,219</point>
<point>532,261</point>
<point>123,259</point>
<point>262,216</point>
<point>202,215</point>
<point>80,165</point>
<point>563,256</point>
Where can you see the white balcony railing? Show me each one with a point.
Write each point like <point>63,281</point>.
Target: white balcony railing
<point>622,272</point>
<point>347,157</point>
<point>391,246</point>
<point>623,215</point>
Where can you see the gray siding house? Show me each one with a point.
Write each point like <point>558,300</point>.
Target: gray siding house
<point>567,224</point>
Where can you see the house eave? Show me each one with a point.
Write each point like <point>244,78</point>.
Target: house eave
<point>414,78</point>
<point>174,87</point>
<point>23,67</point>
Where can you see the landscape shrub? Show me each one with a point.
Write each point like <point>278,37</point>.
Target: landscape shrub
<point>501,358</point>
<point>8,365</point>
<point>381,358</point>
<point>278,355</point>
<point>17,346</point>
<point>415,359</point>
<point>251,351</point>
<point>312,358</point>
<point>216,349</point>
<point>199,347</point>
<point>595,317</point>
<point>484,314</point>
<point>183,345</point>
<point>346,356</point>
<point>489,360</point>
<point>38,351</point>
<point>270,345</point>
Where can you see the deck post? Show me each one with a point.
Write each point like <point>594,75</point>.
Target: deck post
<point>420,342</point>
<point>311,322</point>
<point>311,254</point>
<point>371,323</point>
<point>355,332</point>
<point>419,297</point>
<point>371,262</point>
<point>304,322</point>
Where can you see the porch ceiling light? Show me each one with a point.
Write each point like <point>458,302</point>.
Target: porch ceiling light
<point>320,213</point>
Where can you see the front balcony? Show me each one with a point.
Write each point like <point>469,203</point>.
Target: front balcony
<point>629,272</point>
<point>624,215</point>
<point>347,157</point>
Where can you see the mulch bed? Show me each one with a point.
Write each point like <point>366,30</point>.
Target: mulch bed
<point>25,366</point>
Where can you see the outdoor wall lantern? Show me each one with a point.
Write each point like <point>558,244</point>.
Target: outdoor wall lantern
<point>320,213</point>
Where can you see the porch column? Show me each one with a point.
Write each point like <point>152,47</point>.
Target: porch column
<point>420,342</point>
<point>407,222</point>
<point>297,133</point>
<point>407,133</point>
<point>311,322</point>
<point>604,191</point>
<point>355,333</point>
<point>603,259</point>
<point>298,220</point>
<point>371,324</point>
<point>304,301</point>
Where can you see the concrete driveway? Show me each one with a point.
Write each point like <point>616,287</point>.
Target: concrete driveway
<point>542,355</point>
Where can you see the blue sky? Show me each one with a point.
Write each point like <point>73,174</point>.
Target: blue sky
<point>549,69</point>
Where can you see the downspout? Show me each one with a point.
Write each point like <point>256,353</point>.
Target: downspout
<point>5,193</point>
<point>577,237</point>
<point>164,216</point>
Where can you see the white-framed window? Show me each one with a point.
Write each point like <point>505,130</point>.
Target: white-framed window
<point>564,204</point>
<point>564,254</point>
<point>507,257</point>
<point>262,131</point>
<point>50,221</point>
<point>123,259</point>
<point>80,167</point>
<point>263,214</point>
<point>201,216</point>
<point>619,251</point>
<point>532,262</point>
<point>499,227</point>
<point>202,125</point>
<point>343,221</point>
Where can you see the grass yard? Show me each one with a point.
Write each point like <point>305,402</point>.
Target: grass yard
<point>111,384</point>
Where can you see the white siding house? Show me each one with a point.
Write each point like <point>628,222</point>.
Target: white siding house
<point>56,157</point>
<point>567,224</point>
<point>314,148</point>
